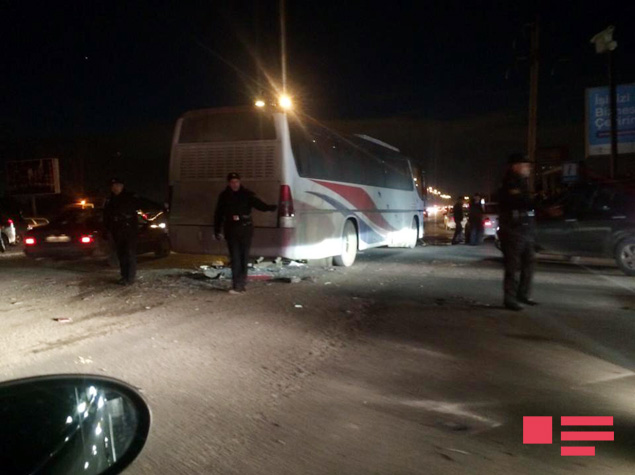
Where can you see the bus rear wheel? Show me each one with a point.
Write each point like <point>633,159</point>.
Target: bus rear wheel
<point>349,246</point>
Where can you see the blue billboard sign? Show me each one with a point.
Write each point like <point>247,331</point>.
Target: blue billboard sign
<point>599,120</point>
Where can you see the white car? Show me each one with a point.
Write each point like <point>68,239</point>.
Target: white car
<point>490,219</point>
<point>7,231</point>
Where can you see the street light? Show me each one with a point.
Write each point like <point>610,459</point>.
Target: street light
<point>285,102</point>
<point>260,103</point>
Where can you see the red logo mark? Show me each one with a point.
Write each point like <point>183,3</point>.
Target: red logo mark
<point>539,430</point>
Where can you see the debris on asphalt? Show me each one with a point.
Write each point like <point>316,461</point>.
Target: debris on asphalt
<point>327,283</point>
<point>16,303</point>
<point>296,264</point>
<point>148,308</point>
<point>297,305</point>
<point>63,320</point>
<point>82,360</point>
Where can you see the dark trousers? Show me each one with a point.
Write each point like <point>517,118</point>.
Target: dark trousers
<point>476,235</point>
<point>458,233</point>
<point>126,246</point>
<point>239,244</point>
<point>518,254</point>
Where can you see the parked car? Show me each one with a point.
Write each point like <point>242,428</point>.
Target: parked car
<point>12,227</point>
<point>7,230</point>
<point>490,219</point>
<point>79,232</point>
<point>590,220</point>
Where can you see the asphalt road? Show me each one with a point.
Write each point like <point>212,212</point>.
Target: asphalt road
<point>404,363</point>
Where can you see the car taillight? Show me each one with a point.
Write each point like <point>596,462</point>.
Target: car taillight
<point>487,222</point>
<point>87,239</point>
<point>29,241</point>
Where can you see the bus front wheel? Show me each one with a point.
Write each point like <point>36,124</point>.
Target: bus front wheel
<point>414,234</point>
<point>349,246</point>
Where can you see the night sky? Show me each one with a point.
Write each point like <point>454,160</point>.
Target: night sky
<point>103,67</point>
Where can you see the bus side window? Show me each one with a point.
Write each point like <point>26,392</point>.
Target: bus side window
<point>350,163</point>
<point>398,174</point>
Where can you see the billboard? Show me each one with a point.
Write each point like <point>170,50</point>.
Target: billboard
<point>33,177</point>
<point>598,120</point>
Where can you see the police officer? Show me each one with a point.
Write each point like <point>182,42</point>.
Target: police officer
<point>517,232</point>
<point>458,219</point>
<point>475,221</point>
<point>120,219</point>
<point>233,216</point>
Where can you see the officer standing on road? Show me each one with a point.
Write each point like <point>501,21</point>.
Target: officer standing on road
<point>517,232</point>
<point>458,219</point>
<point>475,221</point>
<point>120,219</point>
<point>233,217</point>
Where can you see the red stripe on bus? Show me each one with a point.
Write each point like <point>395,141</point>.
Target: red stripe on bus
<point>360,200</point>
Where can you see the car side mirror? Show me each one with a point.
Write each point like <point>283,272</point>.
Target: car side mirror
<point>65,424</point>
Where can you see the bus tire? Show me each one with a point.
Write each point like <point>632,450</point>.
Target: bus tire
<point>349,246</point>
<point>414,234</point>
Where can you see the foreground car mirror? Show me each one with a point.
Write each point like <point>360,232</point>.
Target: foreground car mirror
<point>70,424</point>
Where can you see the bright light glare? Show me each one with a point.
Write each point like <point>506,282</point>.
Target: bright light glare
<point>92,391</point>
<point>100,403</point>
<point>98,429</point>
<point>260,103</point>
<point>81,407</point>
<point>69,420</point>
<point>285,102</point>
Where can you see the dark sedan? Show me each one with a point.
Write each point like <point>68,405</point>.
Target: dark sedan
<point>79,232</point>
<point>592,220</point>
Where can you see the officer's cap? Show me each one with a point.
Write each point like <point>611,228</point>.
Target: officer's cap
<point>115,180</point>
<point>517,158</point>
<point>233,176</point>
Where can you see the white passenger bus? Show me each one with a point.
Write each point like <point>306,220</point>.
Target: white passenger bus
<point>335,194</point>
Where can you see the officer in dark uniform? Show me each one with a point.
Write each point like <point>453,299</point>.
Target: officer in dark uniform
<point>517,232</point>
<point>458,219</point>
<point>233,216</point>
<point>120,219</point>
<point>474,233</point>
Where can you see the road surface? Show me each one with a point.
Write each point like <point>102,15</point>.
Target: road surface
<point>404,363</point>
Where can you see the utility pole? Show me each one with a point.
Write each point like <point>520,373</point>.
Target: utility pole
<point>283,45</point>
<point>604,43</point>
<point>613,101</point>
<point>532,130</point>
